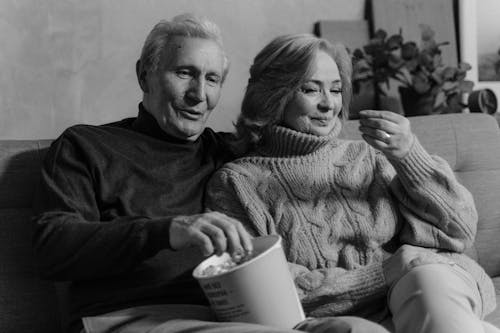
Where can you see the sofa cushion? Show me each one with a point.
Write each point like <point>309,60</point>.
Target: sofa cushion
<point>27,303</point>
<point>20,163</point>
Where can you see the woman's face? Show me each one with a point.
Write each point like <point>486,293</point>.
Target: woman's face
<point>315,107</point>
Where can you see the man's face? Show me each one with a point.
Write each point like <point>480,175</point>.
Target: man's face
<point>186,87</point>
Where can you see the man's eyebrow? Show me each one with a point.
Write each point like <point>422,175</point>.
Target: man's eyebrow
<point>186,66</point>
<point>195,69</point>
<point>219,75</point>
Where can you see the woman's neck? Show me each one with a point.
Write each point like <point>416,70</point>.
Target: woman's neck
<point>281,141</point>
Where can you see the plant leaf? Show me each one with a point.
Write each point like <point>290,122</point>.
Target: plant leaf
<point>464,66</point>
<point>440,99</point>
<point>358,54</point>
<point>421,83</point>
<point>380,34</point>
<point>394,42</point>
<point>427,33</point>
<point>409,50</point>
<point>448,86</point>
<point>466,86</point>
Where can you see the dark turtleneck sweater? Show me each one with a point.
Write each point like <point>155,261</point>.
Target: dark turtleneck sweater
<point>104,207</point>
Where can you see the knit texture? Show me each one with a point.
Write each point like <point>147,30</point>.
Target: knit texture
<point>341,208</point>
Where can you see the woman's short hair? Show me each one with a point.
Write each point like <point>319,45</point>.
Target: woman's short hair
<point>184,25</point>
<point>278,71</point>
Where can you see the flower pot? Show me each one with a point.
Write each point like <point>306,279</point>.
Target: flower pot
<point>415,104</point>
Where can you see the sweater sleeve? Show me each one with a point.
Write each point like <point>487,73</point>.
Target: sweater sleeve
<point>323,292</point>
<point>438,211</point>
<point>70,239</point>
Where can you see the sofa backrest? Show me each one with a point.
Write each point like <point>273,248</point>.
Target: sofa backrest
<point>27,304</point>
<point>471,144</point>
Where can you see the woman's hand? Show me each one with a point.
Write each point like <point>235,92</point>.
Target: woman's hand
<point>387,131</point>
<point>408,257</point>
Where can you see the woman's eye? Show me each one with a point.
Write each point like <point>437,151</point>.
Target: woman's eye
<point>309,90</point>
<point>336,91</point>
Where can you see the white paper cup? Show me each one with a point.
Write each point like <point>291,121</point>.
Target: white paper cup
<point>260,290</point>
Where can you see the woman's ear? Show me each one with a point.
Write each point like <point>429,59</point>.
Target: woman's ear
<point>141,77</point>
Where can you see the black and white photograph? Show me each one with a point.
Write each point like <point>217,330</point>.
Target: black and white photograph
<point>249,166</point>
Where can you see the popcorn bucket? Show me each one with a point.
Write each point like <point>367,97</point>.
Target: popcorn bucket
<point>260,290</point>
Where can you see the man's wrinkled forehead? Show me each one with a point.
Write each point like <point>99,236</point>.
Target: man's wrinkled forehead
<point>184,50</point>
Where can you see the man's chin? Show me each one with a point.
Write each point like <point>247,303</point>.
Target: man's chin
<point>192,132</point>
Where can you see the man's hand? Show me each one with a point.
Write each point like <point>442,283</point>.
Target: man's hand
<point>386,131</point>
<point>408,257</point>
<point>211,232</point>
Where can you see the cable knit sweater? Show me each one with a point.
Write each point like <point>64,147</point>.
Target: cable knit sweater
<point>341,208</point>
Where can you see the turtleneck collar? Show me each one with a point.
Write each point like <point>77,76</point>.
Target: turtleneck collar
<point>279,141</point>
<point>146,124</point>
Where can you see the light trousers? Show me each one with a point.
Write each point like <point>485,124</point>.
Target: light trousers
<point>433,298</point>
<point>199,319</point>
<point>437,298</point>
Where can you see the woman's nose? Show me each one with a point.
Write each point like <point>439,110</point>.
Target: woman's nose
<point>326,103</point>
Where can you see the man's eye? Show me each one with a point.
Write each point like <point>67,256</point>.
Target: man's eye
<point>183,73</point>
<point>336,91</point>
<point>213,80</point>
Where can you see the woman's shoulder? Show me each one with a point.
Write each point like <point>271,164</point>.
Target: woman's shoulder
<point>241,172</point>
<point>244,166</point>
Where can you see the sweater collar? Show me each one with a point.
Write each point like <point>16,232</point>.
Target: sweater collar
<point>146,124</point>
<point>279,141</point>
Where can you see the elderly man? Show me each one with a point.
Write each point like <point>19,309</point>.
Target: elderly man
<point>120,213</point>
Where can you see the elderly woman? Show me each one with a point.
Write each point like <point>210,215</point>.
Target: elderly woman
<point>373,228</point>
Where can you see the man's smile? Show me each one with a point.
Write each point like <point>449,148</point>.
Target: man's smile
<point>190,114</point>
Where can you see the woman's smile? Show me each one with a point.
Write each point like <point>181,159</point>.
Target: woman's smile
<point>315,107</point>
<point>321,121</point>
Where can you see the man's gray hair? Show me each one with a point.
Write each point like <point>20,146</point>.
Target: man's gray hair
<point>184,25</point>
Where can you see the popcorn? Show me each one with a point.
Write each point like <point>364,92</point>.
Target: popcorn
<point>236,259</point>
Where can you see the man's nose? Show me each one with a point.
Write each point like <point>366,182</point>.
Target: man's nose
<point>326,103</point>
<point>196,90</point>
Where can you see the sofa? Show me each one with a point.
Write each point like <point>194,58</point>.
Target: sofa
<point>469,142</point>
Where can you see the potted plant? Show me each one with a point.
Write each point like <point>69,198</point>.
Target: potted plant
<point>424,83</point>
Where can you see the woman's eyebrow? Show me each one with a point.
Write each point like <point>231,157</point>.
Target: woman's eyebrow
<point>320,81</point>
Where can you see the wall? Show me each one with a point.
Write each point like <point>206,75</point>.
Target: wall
<point>70,61</point>
<point>488,37</point>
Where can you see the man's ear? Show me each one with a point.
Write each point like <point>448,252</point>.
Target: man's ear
<point>141,77</point>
